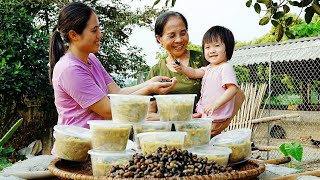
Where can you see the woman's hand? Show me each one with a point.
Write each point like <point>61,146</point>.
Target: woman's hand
<point>158,79</point>
<point>155,86</point>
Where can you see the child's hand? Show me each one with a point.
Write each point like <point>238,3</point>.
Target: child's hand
<point>178,67</point>
<point>196,115</point>
<point>210,109</point>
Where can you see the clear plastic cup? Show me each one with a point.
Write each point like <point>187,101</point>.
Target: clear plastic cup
<point>239,141</point>
<point>72,142</point>
<point>102,161</point>
<point>150,141</point>
<point>129,108</point>
<point>198,131</point>
<point>150,126</point>
<point>214,153</point>
<point>177,107</point>
<point>108,135</point>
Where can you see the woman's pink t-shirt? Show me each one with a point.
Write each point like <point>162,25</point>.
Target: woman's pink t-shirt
<point>78,85</point>
<point>212,88</point>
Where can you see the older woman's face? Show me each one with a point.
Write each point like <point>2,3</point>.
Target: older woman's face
<point>175,37</point>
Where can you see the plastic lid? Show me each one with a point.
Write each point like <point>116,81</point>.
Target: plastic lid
<point>74,131</point>
<point>195,121</point>
<point>129,95</point>
<point>111,153</point>
<point>107,123</point>
<point>212,150</point>
<point>130,145</point>
<point>231,137</point>
<point>177,95</point>
<point>172,134</point>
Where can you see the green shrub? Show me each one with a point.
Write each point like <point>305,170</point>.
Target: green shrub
<point>23,62</point>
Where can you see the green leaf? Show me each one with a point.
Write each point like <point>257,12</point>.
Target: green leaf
<point>156,2</point>
<point>295,3</point>
<point>8,135</point>
<point>257,8</point>
<point>248,3</point>
<point>7,150</point>
<point>305,3</point>
<point>279,32</point>
<point>289,21</point>
<point>295,150</point>
<point>278,15</point>
<point>173,2</point>
<point>274,23</point>
<point>283,150</point>
<point>316,8</point>
<point>289,34</point>
<point>167,1</point>
<point>309,14</point>
<point>266,2</point>
<point>286,9</point>
<point>264,21</point>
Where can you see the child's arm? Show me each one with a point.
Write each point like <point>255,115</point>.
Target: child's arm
<point>189,71</point>
<point>227,96</point>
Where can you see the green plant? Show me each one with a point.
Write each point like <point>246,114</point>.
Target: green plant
<point>292,149</point>
<point>6,152</point>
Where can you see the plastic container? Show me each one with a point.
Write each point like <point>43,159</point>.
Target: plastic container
<point>102,161</point>
<point>150,126</point>
<point>177,107</point>
<point>72,142</point>
<point>129,108</point>
<point>214,153</point>
<point>238,141</point>
<point>198,131</point>
<point>108,135</point>
<point>307,177</point>
<point>150,141</point>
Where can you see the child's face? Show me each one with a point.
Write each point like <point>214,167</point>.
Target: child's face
<point>215,52</point>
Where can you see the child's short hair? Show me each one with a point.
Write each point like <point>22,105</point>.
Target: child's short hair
<point>222,33</point>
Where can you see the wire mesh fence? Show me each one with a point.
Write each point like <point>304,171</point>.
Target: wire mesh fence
<point>292,87</point>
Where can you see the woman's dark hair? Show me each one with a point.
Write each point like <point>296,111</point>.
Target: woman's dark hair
<point>73,16</point>
<point>163,19</point>
<point>224,34</point>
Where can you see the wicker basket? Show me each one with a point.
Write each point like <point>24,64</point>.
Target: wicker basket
<point>82,171</point>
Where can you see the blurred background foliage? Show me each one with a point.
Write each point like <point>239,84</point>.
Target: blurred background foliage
<point>25,31</point>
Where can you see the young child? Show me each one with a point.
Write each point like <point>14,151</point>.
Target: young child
<point>219,84</point>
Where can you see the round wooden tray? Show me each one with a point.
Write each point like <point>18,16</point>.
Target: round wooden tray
<point>82,171</point>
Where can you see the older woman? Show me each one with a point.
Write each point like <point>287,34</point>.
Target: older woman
<point>171,31</point>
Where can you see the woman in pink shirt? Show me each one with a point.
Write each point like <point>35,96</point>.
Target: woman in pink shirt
<point>219,85</point>
<point>80,82</point>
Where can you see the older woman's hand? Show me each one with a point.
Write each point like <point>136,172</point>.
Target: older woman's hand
<point>158,87</point>
<point>158,79</point>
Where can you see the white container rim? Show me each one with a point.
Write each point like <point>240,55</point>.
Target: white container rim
<point>166,95</point>
<point>172,133</point>
<point>110,153</point>
<point>194,121</point>
<point>107,123</point>
<point>210,149</point>
<point>131,95</point>
<point>74,131</point>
